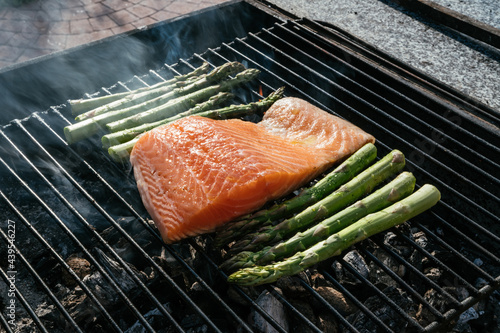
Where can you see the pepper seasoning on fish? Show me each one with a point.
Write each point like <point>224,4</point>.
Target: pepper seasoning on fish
<point>196,174</point>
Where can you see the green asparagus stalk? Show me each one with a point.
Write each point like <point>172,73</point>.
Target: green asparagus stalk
<point>189,100</point>
<point>81,106</point>
<point>418,202</point>
<point>340,175</point>
<point>146,98</point>
<point>156,97</point>
<point>362,184</point>
<point>399,188</point>
<point>122,151</point>
<point>130,133</point>
<point>88,127</point>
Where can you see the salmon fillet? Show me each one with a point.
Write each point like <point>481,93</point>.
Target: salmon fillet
<point>196,174</point>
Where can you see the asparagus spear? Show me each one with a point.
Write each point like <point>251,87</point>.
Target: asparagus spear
<point>146,98</point>
<point>80,106</point>
<point>88,127</point>
<point>204,110</point>
<point>400,187</point>
<point>340,175</point>
<point>130,133</point>
<point>189,100</point>
<point>122,151</point>
<point>361,184</point>
<point>418,202</point>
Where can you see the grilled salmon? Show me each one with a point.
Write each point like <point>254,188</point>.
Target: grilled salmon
<point>196,174</point>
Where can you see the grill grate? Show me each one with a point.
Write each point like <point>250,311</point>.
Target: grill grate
<point>66,200</point>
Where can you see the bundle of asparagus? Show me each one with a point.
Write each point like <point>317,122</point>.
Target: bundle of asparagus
<point>397,189</point>
<point>80,106</point>
<point>325,227</point>
<point>128,115</point>
<point>418,202</point>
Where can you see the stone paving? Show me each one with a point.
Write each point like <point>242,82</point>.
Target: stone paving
<point>42,27</point>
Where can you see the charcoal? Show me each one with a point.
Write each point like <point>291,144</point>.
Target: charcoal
<point>417,260</point>
<point>478,262</point>
<point>273,308</point>
<point>119,274</point>
<point>480,282</point>
<point>337,300</point>
<point>396,243</point>
<point>489,315</point>
<point>326,325</point>
<point>424,316</point>
<point>420,238</point>
<point>155,318</point>
<point>122,246</point>
<point>306,309</point>
<point>48,315</point>
<point>207,272</point>
<point>193,323</point>
<point>291,286</point>
<point>379,276</point>
<point>79,265</point>
<point>357,262</point>
<point>462,322</point>
<point>343,275</point>
<point>433,273</point>
<point>383,311</point>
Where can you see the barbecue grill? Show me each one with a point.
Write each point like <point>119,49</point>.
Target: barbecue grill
<point>85,257</point>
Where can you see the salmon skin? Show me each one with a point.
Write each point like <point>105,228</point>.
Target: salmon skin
<point>196,174</point>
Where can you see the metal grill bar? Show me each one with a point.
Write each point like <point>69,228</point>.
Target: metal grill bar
<point>341,77</point>
<point>4,322</point>
<point>239,290</point>
<point>436,180</point>
<point>403,283</point>
<point>293,310</point>
<point>457,253</point>
<point>343,322</point>
<point>422,276</point>
<point>356,301</point>
<point>451,118</point>
<point>383,296</point>
<point>194,245</point>
<point>77,241</point>
<point>89,227</point>
<point>83,220</point>
<point>102,211</point>
<point>412,76</point>
<point>436,262</point>
<point>469,240</point>
<point>378,95</point>
<point>496,148</point>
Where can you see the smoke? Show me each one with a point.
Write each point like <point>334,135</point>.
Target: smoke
<point>52,80</point>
